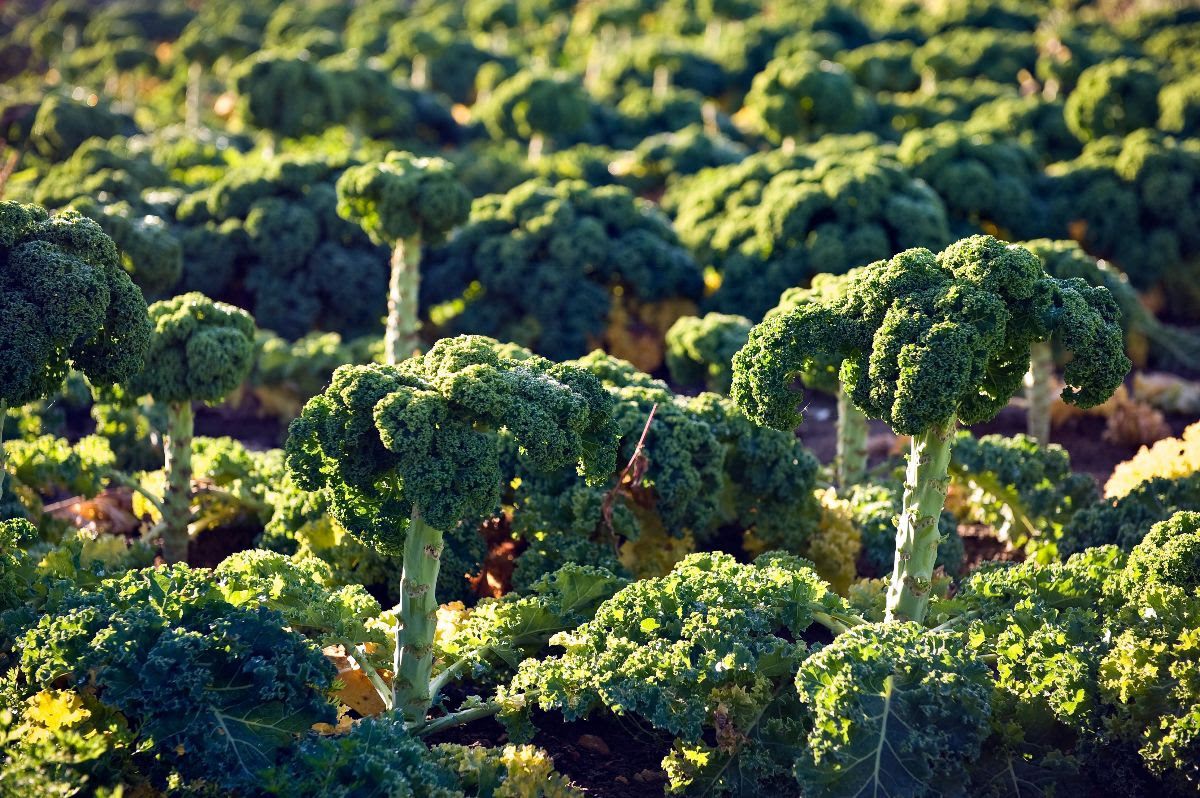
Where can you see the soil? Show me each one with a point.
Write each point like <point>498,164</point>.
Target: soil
<point>607,755</point>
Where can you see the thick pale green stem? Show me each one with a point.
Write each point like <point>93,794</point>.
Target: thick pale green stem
<point>1039,387</point>
<point>177,501</point>
<point>403,319</point>
<point>419,78</point>
<point>3,460</point>
<point>917,536</point>
<point>384,692</point>
<point>536,145</point>
<point>192,96</point>
<point>413,662</point>
<point>662,81</point>
<point>851,461</point>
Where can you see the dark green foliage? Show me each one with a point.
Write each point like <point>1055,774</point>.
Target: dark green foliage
<point>62,124</point>
<point>219,32</point>
<point>371,103</point>
<point>1021,489</point>
<point>920,22</point>
<point>109,168</point>
<point>707,468</point>
<point>707,645</point>
<point>498,634</point>
<point>200,351</point>
<point>1169,556</point>
<point>66,303</point>
<point>301,525</point>
<point>376,759</point>
<point>403,196</point>
<point>645,112</point>
<point>688,68</point>
<point>227,687</point>
<point>700,350</point>
<point>1179,106</point>
<point>1170,38</point>
<point>997,55</point>
<point>547,259</point>
<point>1069,47</point>
<point>287,94</point>
<point>533,104</point>
<point>685,456</point>
<point>981,179</point>
<point>1170,345</point>
<point>288,374</point>
<point>1137,201</point>
<point>1114,98</point>
<point>805,97</point>
<point>1124,521</point>
<point>1032,120</point>
<point>271,228</point>
<point>768,478</point>
<point>660,159</point>
<point>774,221</point>
<point>883,66</point>
<point>384,439</point>
<point>895,710</point>
<point>924,339</point>
<point>149,250</point>
<point>452,59</point>
<point>940,101</point>
<point>875,508</point>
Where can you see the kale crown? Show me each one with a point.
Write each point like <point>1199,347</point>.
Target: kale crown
<point>65,302</point>
<point>403,196</point>
<point>923,339</point>
<point>385,440</point>
<point>201,350</point>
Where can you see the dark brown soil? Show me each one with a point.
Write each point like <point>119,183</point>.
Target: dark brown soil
<point>608,756</point>
<point>981,545</point>
<point>255,431</point>
<point>210,547</point>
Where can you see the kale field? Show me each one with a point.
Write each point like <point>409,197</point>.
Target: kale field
<point>615,398</point>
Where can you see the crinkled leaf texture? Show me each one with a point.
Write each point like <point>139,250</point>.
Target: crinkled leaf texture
<point>897,711</point>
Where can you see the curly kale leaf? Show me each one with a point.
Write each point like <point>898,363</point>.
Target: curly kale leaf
<point>924,339</point>
<point>384,439</point>
<point>66,303</point>
<point>503,632</point>
<point>668,649</point>
<point>896,710</point>
<point>376,759</point>
<point>217,690</point>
